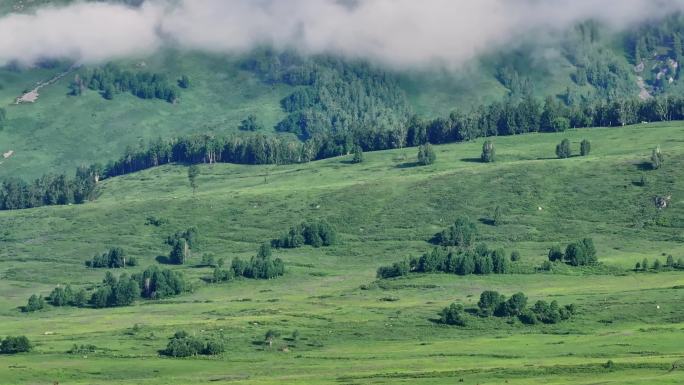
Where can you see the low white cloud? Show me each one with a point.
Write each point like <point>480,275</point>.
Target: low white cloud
<point>402,33</point>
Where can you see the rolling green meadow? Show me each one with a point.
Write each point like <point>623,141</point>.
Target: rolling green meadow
<point>353,328</point>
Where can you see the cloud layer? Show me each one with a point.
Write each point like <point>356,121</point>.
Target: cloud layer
<point>402,33</point>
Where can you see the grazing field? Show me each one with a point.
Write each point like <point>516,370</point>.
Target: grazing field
<point>352,328</point>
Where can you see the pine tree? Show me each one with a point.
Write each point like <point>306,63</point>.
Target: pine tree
<point>193,173</point>
<point>585,147</point>
<point>358,155</point>
<point>184,82</point>
<point>563,150</point>
<point>426,155</point>
<point>488,152</point>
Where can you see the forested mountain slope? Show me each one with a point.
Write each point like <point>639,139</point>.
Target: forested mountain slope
<point>285,92</point>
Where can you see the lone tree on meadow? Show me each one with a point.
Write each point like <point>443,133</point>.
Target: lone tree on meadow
<point>184,81</point>
<point>488,152</point>
<point>585,147</point>
<point>193,173</point>
<point>656,158</point>
<point>426,155</point>
<point>358,155</point>
<point>563,149</point>
<point>498,216</point>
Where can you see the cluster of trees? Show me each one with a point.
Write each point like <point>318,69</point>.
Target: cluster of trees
<point>261,266</point>
<point>115,258</point>
<point>48,190</point>
<point>245,148</point>
<point>316,233</point>
<point>157,283</point>
<point>334,95</point>
<point>250,123</point>
<point>462,234</point>
<point>66,296</point>
<point>35,303</point>
<point>492,303</point>
<point>183,344</point>
<point>657,265</point>
<point>115,292</point>
<point>580,253</point>
<point>564,150</point>
<point>110,80</point>
<point>14,345</point>
<point>481,261</point>
<point>262,149</point>
<point>153,283</point>
<point>182,242</point>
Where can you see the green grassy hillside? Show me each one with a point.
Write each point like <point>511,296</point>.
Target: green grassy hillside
<point>43,135</point>
<point>353,329</point>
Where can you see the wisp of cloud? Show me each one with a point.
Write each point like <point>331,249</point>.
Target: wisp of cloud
<point>400,33</point>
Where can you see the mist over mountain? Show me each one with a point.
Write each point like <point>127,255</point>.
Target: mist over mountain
<point>399,33</point>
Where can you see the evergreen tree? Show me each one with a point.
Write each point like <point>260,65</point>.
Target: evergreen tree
<point>426,155</point>
<point>657,265</point>
<point>555,254</point>
<point>585,147</point>
<point>498,216</point>
<point>488,152</point>
<point>670,261</point>
<point>184,82</point>
<point>563,149</point>
<point>193,173</point>
<point>35,303</point>
<point>358,155</point>
<point>489,302</point>
<point>453,315</point>
<point>178,252</point>
<point>108,91</point>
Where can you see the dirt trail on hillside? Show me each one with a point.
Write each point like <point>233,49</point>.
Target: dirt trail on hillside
<point>32,96</point>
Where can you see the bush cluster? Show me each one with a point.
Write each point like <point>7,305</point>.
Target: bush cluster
<point>494,304</point>
<point>184,345</point>
<point>314,233</point>
<point>480,261</point>
<point>261,266</point>
<point>113,259</point>
<point>580,253</point>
